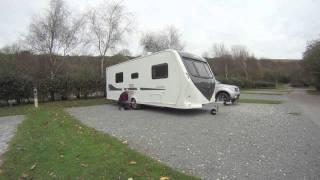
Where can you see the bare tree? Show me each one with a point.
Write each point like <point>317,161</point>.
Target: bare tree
<point>45,31</point>
<point>70,38</point>
<point>54,33</point>
<point>170,38</point>
<point>219,50</point>
<point>11,49</point>
<point>153,42</point>
<point>108,24</point>
<point>174,38</point>
<point>125,52</point>
<point>241,54</point>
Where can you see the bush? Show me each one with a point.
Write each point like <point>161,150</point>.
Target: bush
<point>299,83</point>
<point>264,84</point>
<point>15,87</point>
<point>311,59</point>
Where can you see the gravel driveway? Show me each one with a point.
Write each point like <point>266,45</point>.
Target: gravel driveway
<point>8,126</point>
<point>245,141</point>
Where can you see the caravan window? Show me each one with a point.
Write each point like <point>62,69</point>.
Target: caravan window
<point>203,69</point>
<point>197,68</point>
<point>191,68</point>
<point>119,77</point>
<point>160,71</point>
<point>134,75</point>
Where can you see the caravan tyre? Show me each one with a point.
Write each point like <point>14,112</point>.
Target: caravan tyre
<point>134,104</point>
<point>213,111</point>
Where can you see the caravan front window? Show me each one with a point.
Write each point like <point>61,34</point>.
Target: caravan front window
<point>197,68</point>
<point>191,68</point>
<point>203,69</point>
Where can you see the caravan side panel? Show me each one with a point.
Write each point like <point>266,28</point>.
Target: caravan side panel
<point>147,89</point>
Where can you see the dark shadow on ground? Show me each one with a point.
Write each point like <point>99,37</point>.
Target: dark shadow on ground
<point>172,111</point>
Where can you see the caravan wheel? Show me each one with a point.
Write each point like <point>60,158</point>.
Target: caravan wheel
<point>134,104</point>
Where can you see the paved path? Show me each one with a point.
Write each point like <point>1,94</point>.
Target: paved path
<point>309,105</point>
<point>8,126</point>
<point>246,141</point>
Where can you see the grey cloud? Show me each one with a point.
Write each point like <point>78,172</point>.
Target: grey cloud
<point>269,28</point>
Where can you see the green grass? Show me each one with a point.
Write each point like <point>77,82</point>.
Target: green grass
<point>313,92</point>
<point>52,144</point>
<point>262,93</point>
<point>295,113</point>
<point>23,109</point>
<point>15,110</point>
<point>281,89</point>
<point>260,101</point>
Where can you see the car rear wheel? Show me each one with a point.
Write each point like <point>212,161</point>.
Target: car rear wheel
<point>223,97</point>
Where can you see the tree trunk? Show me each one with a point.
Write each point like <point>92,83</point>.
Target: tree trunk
<point>226,73</point>
<point>78,93</point>
<point>246,74</point>
<point>64,97</point>
<point>244,68</point>
<point>52,98</point>
<point>52,76</point>
<point>102,67</point>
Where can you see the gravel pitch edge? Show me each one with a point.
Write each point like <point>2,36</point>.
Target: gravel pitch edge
<point>246,141</point>
<point>8,127</point>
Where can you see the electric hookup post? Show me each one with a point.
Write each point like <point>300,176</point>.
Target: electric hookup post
<point>35,96</point>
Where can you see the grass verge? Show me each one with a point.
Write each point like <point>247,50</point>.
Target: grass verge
<point>52,144</point>
<point>262,93</point>
<point>23,109</point>
<point>313,92</point>
<point>260,101</point>
<point>295,113</point>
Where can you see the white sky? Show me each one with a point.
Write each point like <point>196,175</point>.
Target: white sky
<point>268,28</point>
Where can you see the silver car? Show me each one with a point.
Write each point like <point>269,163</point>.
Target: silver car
<point>226,93</point>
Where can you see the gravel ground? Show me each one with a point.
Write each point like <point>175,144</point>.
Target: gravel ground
<point>8,126</point>
<point>245,141</point>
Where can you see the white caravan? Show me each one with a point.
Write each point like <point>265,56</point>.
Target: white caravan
<point>167,79</point>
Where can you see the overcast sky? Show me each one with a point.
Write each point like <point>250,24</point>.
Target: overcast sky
<point>268,28</point>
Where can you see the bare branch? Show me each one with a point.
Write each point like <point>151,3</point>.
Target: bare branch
<point>108,25</point>
<point>170,38</point>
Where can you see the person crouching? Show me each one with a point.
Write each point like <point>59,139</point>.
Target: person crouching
<point>123,100</point>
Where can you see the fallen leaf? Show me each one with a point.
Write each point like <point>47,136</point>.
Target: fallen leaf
<point>52,175</point>
<point>130,178</point>
<point>24,175</point>
<point>164,178</point>
<point>84,165</point>
<point>132,162</point>
<point>33,167</point>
